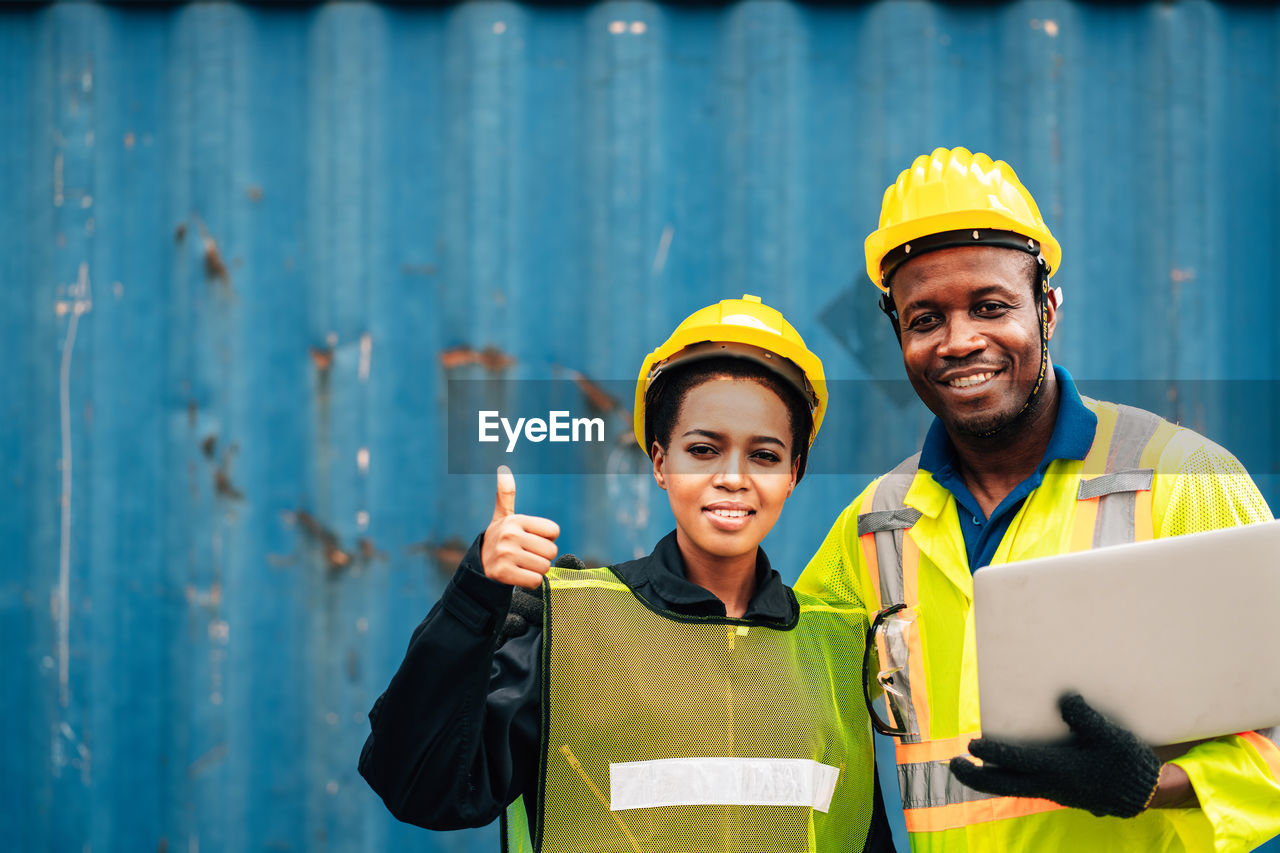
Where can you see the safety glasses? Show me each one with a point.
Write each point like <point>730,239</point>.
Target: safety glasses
<point>886,633</point>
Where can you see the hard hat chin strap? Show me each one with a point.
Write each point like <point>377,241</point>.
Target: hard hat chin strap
<point>1044,355</point>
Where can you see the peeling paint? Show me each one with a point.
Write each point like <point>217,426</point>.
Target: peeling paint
<point>81,301</point>
<point>366,356</point>
<point>70,751</point>
<point>446,556</point>
<point>204,762</point>
<point>664,246</point>
<point>215,269</point>
<point>334,554</point>
<point>490,358</point>
<point>368,550</point>
<point>597,397</point>
<point>321,358</point>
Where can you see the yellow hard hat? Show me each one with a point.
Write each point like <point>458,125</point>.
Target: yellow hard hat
<point>745,328</point>
<point>951,191</point>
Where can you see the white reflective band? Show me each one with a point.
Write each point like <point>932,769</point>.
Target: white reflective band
<point>722,782</point>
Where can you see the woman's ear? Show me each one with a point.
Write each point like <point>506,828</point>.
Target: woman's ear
<point>795,474</point>
<point>659,456</point>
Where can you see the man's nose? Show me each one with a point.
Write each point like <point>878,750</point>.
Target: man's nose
<point>961,337</point>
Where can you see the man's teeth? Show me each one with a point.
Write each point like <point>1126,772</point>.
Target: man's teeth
<point>966,381</point>
<point>730,513</point>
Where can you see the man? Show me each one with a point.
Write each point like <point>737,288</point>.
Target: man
<point>963,259</point>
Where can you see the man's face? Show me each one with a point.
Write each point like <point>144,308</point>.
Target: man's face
<point>970,334</point>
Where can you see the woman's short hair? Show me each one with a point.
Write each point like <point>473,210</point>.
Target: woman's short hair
<point>666,394</point>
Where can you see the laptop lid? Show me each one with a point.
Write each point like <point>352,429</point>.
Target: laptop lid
<point>1176,639</point>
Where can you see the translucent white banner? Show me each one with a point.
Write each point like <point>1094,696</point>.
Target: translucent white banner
<point>722,782</point>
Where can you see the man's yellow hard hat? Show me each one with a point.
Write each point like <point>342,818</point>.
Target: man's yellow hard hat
<point>743,328</point>
<point>952,191</point>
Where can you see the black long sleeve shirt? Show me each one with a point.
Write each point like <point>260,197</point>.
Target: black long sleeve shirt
<point>455,738</point>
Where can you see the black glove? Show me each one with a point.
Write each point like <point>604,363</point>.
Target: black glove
<point>526,604</point>
<point>1100,767</point>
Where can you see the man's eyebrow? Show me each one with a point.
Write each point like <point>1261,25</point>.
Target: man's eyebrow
<point>719,436</point>
<point>981,292</point>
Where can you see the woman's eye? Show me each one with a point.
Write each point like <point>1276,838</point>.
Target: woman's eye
<point>767,456</point>
<point>701,450</point>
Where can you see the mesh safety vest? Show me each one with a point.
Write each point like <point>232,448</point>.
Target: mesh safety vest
<point>909,540</point>
<point>677,734</point>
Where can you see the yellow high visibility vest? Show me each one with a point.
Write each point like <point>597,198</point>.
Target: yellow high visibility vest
<point>678,734</point>
<point>900,541</point>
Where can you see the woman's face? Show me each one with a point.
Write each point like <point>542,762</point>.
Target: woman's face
<point>728,468</point>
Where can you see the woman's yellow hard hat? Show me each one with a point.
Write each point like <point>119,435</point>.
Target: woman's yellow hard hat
<point>744,328</point>
<point>952,191</point>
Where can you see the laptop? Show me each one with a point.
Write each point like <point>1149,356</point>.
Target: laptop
<point>1176,639</point>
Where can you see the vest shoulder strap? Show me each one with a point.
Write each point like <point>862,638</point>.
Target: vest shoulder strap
<point>887,517</point>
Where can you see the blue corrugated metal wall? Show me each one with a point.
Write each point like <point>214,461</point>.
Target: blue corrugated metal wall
<point>242,249</point>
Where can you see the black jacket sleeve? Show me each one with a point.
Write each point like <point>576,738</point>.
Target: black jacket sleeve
<point>454,738</point>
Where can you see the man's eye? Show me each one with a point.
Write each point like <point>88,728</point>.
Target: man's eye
<point>992,308</point>
<point>922,322</point>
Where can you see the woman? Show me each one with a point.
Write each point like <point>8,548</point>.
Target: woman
<point>685,701</point>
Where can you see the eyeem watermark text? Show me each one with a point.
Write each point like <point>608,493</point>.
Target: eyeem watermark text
<point>559,426</point>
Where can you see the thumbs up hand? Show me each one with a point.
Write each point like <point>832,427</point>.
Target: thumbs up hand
<point>518,549</point>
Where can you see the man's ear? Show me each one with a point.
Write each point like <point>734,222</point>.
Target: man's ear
<point>1052,299</point>
<point>659,456</point>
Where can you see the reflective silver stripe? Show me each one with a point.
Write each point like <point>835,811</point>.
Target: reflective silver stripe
<point>889,501</point>
<point>1133,480</point>
<point>1272,734</point>
<point>1134,428</point>
<point>889,519</point>
<point>1117,489</point>
<point>1117,518</point>
<point>930,784</point>
<point>721,782</point>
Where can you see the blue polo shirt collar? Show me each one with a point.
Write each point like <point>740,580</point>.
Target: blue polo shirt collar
<point>1072,437</point>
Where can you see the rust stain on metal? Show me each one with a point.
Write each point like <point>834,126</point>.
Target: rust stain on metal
<point>255,193</point>
<point>368,550</point>
<point>322,358</point>
<point>597,397</point>
<point>446,555</point>
<point>334,554</point>
<point>193,412</point>
<point>180,233</point>
<point>207,760</point>
<point>222,484</point>
<point>215,269</point>
<point>209,446</point>
<point>418,269</point>
<point>353,665</point>
<point>490,358</point>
